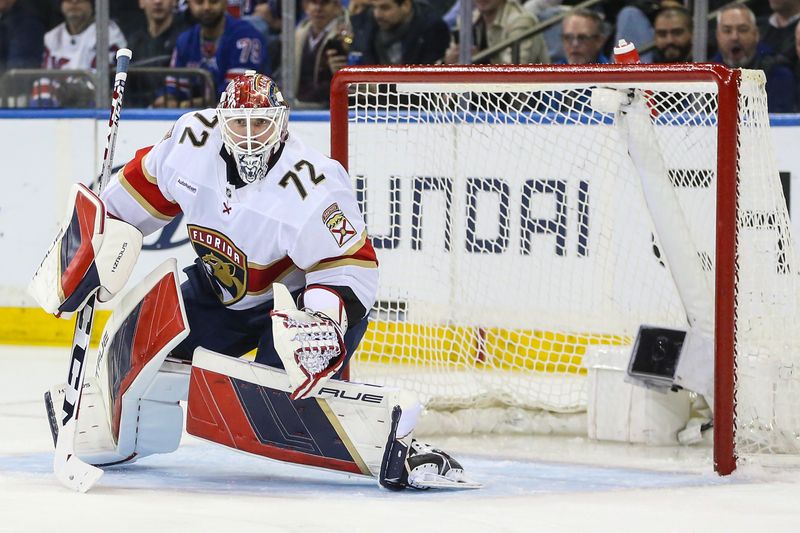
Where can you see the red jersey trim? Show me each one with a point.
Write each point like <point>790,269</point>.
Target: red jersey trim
<point>143,187</point>
<point>260,278</point>
<point>361,254</point>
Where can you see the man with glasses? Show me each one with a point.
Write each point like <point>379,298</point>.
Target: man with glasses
<point>673,36</point>
<point>583,35</point>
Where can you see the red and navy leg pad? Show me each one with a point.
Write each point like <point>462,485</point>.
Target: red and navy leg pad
<point>136,409</point>
<point>247,406</point>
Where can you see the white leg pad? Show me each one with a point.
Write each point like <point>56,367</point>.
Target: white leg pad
<point>93,433</point>
<point>160,420</point>
<point>131,405</point>
<point>153,425</point>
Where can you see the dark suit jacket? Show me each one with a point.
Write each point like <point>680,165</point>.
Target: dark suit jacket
<point>424,43</point>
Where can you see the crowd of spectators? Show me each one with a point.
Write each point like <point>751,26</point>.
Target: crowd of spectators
<point>226,37</point>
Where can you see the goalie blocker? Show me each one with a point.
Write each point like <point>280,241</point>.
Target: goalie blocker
<point>92,253</point>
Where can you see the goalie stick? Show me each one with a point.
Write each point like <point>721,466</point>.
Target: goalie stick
<point>68,468</point>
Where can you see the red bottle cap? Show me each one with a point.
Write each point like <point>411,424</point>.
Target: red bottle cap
<point>625,53</point>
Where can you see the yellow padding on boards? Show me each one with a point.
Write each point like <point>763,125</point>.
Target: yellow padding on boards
<point>464,347</point>
<point>31,325</point>
<point>384,342</point>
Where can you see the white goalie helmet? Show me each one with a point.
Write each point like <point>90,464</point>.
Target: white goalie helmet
<point>253,118</point>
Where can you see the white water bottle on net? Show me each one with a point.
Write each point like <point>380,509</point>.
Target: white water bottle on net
<point>525,215</point>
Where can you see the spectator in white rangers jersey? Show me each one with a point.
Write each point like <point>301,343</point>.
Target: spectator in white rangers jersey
<point>260,207</point>
<point>71,45</point>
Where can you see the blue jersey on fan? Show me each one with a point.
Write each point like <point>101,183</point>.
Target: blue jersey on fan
<point>241,47</point>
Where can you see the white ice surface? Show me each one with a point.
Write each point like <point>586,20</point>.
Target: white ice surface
<point>531,484</point>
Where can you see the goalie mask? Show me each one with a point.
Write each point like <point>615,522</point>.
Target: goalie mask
<point>253,118</point>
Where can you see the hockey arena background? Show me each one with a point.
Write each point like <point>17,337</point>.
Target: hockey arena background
<point>531,483</point>
<point>46,151</point>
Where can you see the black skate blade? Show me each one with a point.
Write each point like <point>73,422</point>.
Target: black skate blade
<point>51,416</point>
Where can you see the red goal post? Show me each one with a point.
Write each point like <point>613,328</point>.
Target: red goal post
<point>727,84</point>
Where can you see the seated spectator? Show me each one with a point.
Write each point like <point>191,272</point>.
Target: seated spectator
<point>739,47</point>
<point>395,32</point>
<point>777,31</point>
<point>673,31</point>
<point>218,43</point>
<point>152,46</point>
<point>128,14</point>
<point>71,44</point>
<point>634,23</point>
<point>583,34</point>
<point>158,38</point>
<point>495,21</point>
<point>317,38</point>
<point>21,36</point>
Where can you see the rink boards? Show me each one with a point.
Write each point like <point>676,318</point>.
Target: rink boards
<point>42,179</point>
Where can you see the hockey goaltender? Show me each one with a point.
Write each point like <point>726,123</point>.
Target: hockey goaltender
<point>284,267</point>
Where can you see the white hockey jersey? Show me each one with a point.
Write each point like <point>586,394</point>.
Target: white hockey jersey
<point>300,225</point>
<point>65,51</point>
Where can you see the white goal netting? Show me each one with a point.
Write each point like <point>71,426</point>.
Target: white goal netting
<point>512,235</point>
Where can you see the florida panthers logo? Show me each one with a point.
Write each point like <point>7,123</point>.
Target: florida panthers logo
<point>226,265</point>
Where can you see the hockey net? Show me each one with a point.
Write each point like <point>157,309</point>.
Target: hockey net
<point>512,234</point>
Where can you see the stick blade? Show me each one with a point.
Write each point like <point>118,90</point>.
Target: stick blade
<point>69,469</point>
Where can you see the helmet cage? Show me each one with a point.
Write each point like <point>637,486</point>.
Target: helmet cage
<point>252,135</point>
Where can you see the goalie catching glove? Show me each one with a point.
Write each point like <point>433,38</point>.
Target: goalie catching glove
<point>91,254</point>
<point>310,343</point>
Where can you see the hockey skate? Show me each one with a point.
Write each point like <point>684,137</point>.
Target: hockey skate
<point>428,467</point>
<point>419,465</point>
